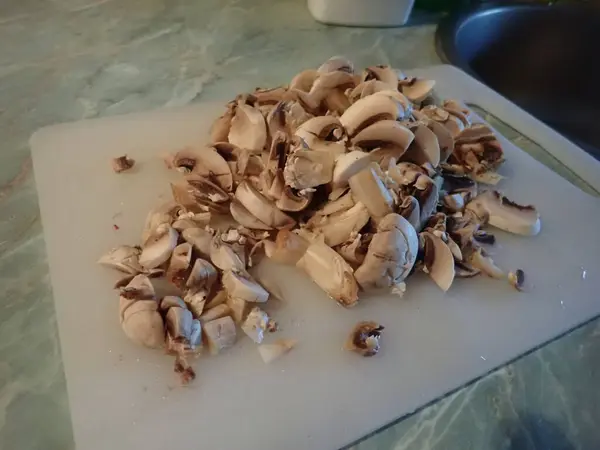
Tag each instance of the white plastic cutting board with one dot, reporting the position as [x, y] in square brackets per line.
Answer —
[318, 396]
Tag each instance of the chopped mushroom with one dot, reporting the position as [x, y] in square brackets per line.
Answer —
[122, 163]
[358, 178]
[364, 338]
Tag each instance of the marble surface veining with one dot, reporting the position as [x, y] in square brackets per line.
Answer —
[65, 60]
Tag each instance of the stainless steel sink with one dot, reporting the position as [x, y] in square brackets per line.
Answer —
[543, 58]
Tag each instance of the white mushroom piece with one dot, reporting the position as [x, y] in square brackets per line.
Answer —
[271, 352]
[364, 338]
[323, 133]
[261, 208]
[362, 113]
[438, 260]
[330, 272]
[387, 140]
[368, 187]
[124, 258]
[207, 163]
[256, 323]
[159, 246]
[416, 89]
[391, 255]
[140, 319]
[494, 208]
[220, 334]
[248, 128]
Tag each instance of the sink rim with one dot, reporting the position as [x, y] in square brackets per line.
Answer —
[450, 25]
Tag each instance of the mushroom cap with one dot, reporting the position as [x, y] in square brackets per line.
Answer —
[368, 110]
[391, 255]
[384, 133]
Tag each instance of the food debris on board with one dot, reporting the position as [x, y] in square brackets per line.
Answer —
[359, 179]
[122, 163]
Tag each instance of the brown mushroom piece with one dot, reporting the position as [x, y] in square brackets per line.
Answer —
[391, 255]
[364, 338]
[248, 128]
[479, 152]
[206, 162]
[438, 260]
[122, 163]
[330, 272]
[261, 207]
[505, 214]
[416, 89]
[478, 258]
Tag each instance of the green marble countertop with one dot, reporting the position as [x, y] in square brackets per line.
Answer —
[66, 60]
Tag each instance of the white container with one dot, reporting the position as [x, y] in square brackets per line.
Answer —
[362, 13]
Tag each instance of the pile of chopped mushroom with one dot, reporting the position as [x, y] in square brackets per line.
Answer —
[357, 178]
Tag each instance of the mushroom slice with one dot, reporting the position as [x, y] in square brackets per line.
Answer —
[239, 309]
[307, 169]
[416, 89]
[271, 352]
[241, 285]
[219, 131]
[202, 193]
[369, 110]
[270, 96]
[336, 63]
[165, 213]
[326, 128]
[179, 324]
[218, 298]
[292, 201]
[171, 301]
[355, 249]
[368, 187]
[242, 216]
[343, 203]
[479, 259]
[464, 270]
[214, 313]
[385, 133]
[288, 247]
[444, 137]
[225, 257]
[409, 209]
[425, 147]
[330, 272]
[200, 238]
[157, 250]
[506, 214]
[195, 302]
[261, 207]
[179, 264]
[348, 165]
[454, 203]
[143, 324]
[220, 334]
[248, 128]
[364, 338]
[391, 255]
[385, 74]
[460, 111]
[427, 192]
[255, 325]
[124, 258]
[202, 276]
[191, 220]
[439, 261]
[304, 80]
[339, 227]
[206, 162]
